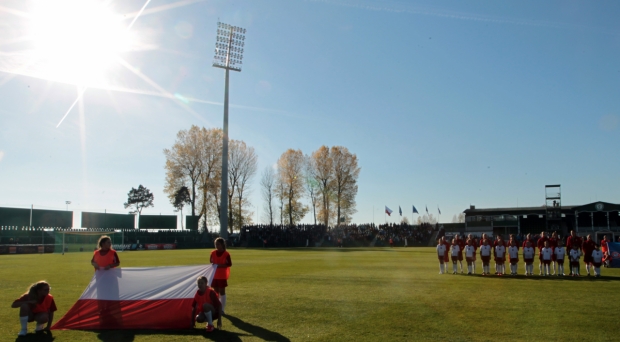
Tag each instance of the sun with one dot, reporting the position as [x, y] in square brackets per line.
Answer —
[77, 41]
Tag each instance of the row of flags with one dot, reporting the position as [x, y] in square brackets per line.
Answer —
[400, 211]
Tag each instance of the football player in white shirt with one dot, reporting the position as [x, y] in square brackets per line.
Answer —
[500, 258]
[546, 253]
[441, 251]
[597, 260]
[470, 253]
[528, 257]
[575, 253]
[455, 249]
[485, 255]
[513, 253]
[560, 252]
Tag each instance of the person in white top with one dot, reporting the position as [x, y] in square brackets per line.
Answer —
[441, 252]
[547, 254]
[560, 252]
[500, 258]
[470, 253]
[528, 257]
[575, 253]
[597, 260]
[454, 252]
[485, 255]
[513, 253]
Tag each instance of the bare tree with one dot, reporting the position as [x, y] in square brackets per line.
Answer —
[267, 183]
[346, 171]
[311, 184]
[243, 162]
[290, 176]
[322, 162]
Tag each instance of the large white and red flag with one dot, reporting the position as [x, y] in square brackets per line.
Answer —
[137, 298]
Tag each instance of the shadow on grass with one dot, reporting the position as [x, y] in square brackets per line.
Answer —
[543, 278]
[257, 331]
[330, 249]
[129, 335]
[45, 336]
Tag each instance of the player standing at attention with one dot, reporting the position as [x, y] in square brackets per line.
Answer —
[500, 256]
[36, 305]
[499, 241]
[597, 260]
[588, 247]
[470, 254]
[513, 253]
[476, 246]
[441, 252]
[573, 240]
[529, 239]
[221, 258]
[546, 253]
[485, 255]
[105, 257]
[574, 260]
[553, 243]
[541, 244]
[461, 244]
[206, 306]
[528, 257]
[454, 251]
[559, 253]
[446, 257]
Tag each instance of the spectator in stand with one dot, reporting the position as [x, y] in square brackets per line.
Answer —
[541, 244]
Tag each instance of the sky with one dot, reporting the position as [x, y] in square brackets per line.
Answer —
[446, 104]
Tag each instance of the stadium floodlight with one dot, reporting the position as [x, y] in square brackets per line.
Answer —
[67, 203]
[229, 45]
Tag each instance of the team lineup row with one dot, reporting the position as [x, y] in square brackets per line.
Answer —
[551, 253]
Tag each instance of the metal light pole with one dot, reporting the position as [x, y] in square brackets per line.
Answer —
[67, 203]
[228, 56]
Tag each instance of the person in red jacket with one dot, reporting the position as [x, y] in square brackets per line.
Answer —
[528, 238]
[206, 306]
[541, 244]
[446, 258]
[588, 247]
[36, 305]
[221, 258]
[105, 257]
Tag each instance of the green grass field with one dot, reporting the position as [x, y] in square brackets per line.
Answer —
[344, 295]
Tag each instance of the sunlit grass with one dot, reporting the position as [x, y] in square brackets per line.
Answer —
[345, 294]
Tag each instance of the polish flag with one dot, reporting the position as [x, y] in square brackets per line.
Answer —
[137, 298]
[388, 211]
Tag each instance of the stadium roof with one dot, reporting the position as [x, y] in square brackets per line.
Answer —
[567, 209]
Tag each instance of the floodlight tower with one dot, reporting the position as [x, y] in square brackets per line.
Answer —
[228, 56]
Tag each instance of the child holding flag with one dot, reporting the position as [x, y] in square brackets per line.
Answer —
[36, 305]
[206, 306]
[221, 258]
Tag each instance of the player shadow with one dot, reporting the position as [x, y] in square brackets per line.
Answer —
[130, 335]
[39, 336]
[547, 278]
[254, 330]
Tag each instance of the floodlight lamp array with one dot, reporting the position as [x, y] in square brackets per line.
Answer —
[229, 45]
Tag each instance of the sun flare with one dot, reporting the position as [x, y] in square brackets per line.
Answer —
[77, 41]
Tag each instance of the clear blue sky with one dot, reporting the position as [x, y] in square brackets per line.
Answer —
[446, 103]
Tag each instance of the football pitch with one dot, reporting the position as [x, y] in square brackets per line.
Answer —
[370, 294]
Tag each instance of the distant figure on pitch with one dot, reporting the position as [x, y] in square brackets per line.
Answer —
[470, 256]
[36, 305]
[221, 258]
[541, 244]
[513, 253]
[105, 257]
[597, 260]
[461, 244]
[588, 247]
[441, 252]
[546, 253]
[206, 306]
[485, 255]
[454, 251]
[559, 253]
[528, 258]
[574, 260]
[500, 256]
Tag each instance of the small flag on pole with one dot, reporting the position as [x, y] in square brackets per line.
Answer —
[388, 211]
[439, 210]
[400, 211]
[415, 211]
[427, 209]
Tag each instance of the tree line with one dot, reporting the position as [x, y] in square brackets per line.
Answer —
[327, 179]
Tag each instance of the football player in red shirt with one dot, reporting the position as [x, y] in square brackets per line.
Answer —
[541, 244]
[553, 243]
[588, 247]
[475, 244]
[446, 257]
[221, 258]
[529, 239]
[573, 240]
[206, 306]
[461, 244]
[499, 241]
[36, 305]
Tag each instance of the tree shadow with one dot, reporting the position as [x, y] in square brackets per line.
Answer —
[129, 335]
[44, 336]
[545, 278]
[257, 331]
